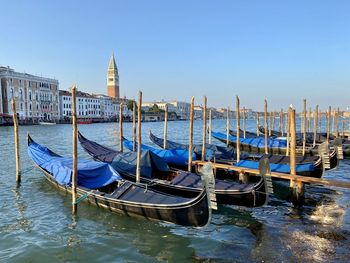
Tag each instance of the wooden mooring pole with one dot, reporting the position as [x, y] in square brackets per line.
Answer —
[257, 124]
[337, 123]
[281, 122]
[165, 126]
[288, 134]
[17, 153]
[227, 125]
[304, 127]
[134, 124]
[138, 161]
[238, 120]
[297, 186]
[270, 124]
[315, 125]
[190, 143]
[266, 129]
[121, 148]
[333, 121]
[309, 120]
[328, 122]
[75, 151]
[204, 133]
[210, 125]
[244, 123]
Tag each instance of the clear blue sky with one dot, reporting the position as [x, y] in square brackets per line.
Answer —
[281, 50]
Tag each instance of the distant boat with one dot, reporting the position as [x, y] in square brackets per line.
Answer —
[84, 121]
[46, 123]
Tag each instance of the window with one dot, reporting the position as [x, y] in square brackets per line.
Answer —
[11, 93]
[30, 95]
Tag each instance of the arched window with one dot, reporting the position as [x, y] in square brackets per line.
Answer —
[20, 94]
[30, 95]
[30, 106]
[11, 93]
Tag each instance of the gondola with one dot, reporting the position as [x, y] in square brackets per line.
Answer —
[320, 138]
[306, 165]
[248, 134]
[157, 175]
[213, 152]
[102, 186]
[279, 147]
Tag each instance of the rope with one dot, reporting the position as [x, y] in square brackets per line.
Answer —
[81, 198]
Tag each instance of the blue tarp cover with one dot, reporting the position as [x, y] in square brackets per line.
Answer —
[281, 168]
[258, 142]
[91, 174]
[172, 156]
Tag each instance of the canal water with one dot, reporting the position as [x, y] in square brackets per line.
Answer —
[36, 223]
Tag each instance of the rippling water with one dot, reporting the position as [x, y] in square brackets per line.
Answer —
[36, 223]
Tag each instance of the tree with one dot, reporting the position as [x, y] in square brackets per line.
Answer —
[130, 104]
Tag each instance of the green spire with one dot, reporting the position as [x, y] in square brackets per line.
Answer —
[112, 64]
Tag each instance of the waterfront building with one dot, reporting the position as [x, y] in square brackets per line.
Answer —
[182, 109]
[88, 106]
[113, 79]
[198, 112]
[92, 106]
[37, 98]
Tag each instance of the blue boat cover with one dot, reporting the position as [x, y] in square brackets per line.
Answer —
[281, 168]
[257, 142]
[91, 174]
[212, 150]
[173, 156]
[150, 163]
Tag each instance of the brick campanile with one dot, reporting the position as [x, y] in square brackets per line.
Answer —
[112, 79]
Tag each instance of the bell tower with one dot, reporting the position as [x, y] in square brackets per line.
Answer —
[112, 79]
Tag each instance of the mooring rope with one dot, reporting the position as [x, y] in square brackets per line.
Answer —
[82, 198]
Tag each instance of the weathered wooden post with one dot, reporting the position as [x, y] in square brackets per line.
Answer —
[281, 122]
[190, 143]
[315, 125]
[319, 120]
[121, 148]
[257, 124]
[17, 153]
[304, 127]
[165, 126]
[75, 151]
[238, 120]
[333, 122]
[244, 122]
[266, 129]
[337, 123]
[328, 122]
[297, 186]
[288, 133]
[270, 124]
[210, 125]
[204, 134]
[227, 125]
[134, 124]
[138, 161]
[309, 120]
